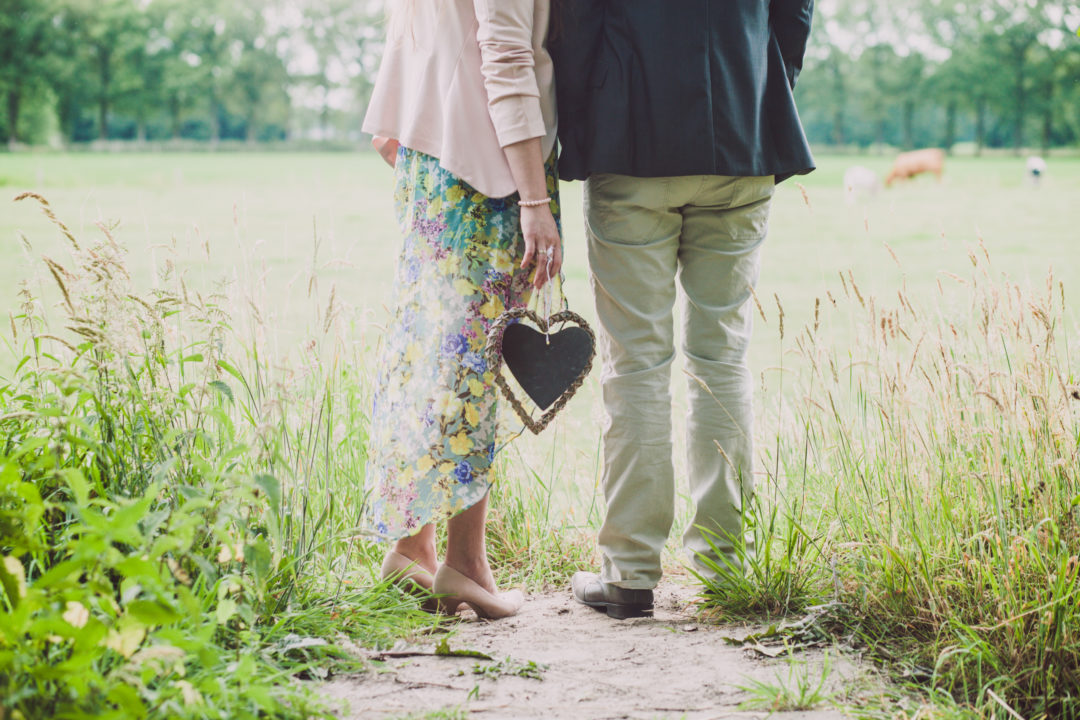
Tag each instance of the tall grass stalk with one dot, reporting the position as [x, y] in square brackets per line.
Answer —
[178, 511]
[934, 463]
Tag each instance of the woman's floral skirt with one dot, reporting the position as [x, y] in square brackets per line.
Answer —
[432, 437]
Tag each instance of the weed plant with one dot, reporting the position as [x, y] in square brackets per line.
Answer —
[925, 479]
[177, 517]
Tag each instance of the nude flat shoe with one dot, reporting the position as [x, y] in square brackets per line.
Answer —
[455, 588]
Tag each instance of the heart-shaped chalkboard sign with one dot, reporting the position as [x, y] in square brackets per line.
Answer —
[549, 366]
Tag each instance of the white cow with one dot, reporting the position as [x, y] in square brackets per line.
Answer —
[860, 181]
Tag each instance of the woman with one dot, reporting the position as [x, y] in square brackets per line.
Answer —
[464, 109]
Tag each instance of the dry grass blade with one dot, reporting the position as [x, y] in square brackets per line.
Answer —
[47, 209]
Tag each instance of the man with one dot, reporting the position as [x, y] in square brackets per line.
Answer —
[680, 118]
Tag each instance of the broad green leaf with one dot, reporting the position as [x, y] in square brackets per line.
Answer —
[225, 610]
[222, 388]
[152, 612]
[259, 559]
[79, 487]
[272, 487]
[13, 580]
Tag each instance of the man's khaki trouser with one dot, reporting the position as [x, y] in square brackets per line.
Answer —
[644, 234]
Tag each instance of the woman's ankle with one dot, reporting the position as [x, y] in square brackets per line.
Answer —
[476, 569]
[420, 553]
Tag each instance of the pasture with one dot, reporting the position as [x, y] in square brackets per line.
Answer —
[246, 218]
[917, 434]
[281, 232]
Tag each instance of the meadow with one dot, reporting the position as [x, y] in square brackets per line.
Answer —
[917, 431]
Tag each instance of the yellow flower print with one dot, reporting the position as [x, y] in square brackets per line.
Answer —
[476, 387]
[447, 467]
[424, 464]
[463, 287]
[460, 444]
[455, 194]
[503, 261]
[492, 309]
[434, 207]
[472, 415]
[412, 353]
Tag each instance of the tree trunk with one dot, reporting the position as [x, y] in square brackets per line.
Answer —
[14, 98]
[909, 124]
[950, 126]
[1047, 130]
[105, 72]
[1021, 103]
[249, 130]
[980, 125]
[215, 119]
[174, 115]
[840, 104]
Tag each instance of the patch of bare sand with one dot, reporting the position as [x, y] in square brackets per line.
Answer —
[668, 666]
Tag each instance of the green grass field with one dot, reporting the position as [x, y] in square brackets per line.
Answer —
[255, 218]
[918, 447]
[260, 227]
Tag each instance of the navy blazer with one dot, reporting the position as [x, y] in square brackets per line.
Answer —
[656, 88]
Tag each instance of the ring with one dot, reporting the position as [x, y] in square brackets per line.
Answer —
[549, 252]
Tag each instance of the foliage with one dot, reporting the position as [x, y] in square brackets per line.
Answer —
[153, 563]
[934, 465]
[932, 72]
[914, 73]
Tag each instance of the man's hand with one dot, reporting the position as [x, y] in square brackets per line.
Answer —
[387, 148]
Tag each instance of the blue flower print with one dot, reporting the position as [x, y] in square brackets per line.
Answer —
[464, 472]
[455, 345]
[491, 452]
[474, 361]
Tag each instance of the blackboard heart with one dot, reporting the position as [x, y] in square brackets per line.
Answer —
[549, 368]
[543, 369]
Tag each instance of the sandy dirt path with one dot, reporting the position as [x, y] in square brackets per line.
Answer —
[669, 666]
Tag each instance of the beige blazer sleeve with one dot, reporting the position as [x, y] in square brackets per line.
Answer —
[508, 65]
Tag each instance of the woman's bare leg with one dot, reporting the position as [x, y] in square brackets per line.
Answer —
[466, 550]
[420, 548]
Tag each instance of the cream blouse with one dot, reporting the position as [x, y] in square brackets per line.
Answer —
[461, 79]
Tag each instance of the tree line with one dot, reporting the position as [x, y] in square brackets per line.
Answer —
[903, 73]
[183, 69]
[916, 73]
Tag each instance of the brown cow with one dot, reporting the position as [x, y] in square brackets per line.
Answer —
[910, 164]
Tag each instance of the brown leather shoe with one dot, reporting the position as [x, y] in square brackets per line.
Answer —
[619, 603]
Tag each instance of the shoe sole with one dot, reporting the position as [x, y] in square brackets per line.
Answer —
[619, 611]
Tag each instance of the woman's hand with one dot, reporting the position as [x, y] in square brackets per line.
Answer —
[387, 148]
[542, 243]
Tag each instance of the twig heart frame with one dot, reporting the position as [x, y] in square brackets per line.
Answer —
[493, 353]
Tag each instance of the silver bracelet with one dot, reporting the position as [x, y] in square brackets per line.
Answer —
[534, 203]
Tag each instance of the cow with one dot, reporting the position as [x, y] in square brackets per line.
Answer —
[916, 162]
[1036, 168]
[859, 181]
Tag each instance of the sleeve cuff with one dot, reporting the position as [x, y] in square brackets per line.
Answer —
[517, 118]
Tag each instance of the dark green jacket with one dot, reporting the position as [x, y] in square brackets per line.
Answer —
[656, 88]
